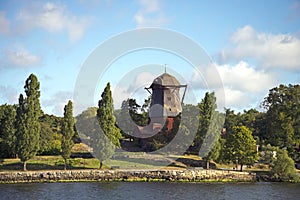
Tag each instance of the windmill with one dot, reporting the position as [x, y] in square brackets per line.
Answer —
[166, 104]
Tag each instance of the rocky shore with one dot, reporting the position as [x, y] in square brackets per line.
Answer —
[188, 175]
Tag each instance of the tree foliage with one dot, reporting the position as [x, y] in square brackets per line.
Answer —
[207, 108]
[27, 121]
[7, 131]
[50, 138]
[108, 137]
[241, 146]
[67, 129]
[283, 117]
[283, 168]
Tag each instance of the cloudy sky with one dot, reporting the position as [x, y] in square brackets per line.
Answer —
[254, 46]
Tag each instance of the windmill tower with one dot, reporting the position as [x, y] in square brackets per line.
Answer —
[166, 103]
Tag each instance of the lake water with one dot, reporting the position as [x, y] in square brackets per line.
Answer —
[150, 190]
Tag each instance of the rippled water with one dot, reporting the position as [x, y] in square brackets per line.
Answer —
[150, 191]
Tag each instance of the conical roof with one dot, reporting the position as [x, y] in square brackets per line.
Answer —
[166, 79]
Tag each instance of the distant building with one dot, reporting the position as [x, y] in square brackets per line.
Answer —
[166, 104]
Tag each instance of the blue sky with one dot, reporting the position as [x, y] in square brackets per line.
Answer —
[254, 45]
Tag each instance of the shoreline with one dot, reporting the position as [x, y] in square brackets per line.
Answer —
[127, 175]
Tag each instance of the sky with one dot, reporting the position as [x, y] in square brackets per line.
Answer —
[253, 46]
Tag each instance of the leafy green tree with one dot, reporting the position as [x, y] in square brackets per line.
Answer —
[259, 127]
[51, 137]
[27, 121]
[90, 132]
[268, 154]
[111, 133]
[85, 123]
[7, 131]
[231, 120]
[223, 154]
[283, 168]
[283, 117]
[248, 119]
[127, 116]
[67, 129]
[214, 154]
[241, 146]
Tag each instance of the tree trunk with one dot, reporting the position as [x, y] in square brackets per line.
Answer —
[100, 167]
[24, 166]
[65, 166]
[207, 164]
[241, 167]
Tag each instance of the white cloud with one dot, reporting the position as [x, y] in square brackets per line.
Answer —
[20, 57]
[242, 85]
[143, 79]
[8, 93]
[4, 24]
[269, 50]
[150, 14]
[244, 77]
[54, 18]
[120, 94]
[132, 87]
[58, 101]
[235, 99]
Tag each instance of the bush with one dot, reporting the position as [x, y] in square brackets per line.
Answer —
[283, 168]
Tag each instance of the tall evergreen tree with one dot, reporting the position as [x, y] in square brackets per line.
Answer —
[27, 121]
[7, 131]
[206, 110]
[67, 129]
[107, 122]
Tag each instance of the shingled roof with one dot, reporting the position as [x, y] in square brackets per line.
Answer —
[165, 92]
[166, 80]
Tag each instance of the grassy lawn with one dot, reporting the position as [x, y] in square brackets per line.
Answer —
[135, 161]
[49, 163]
[122, 160]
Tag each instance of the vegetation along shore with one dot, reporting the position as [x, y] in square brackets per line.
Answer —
[252, 145]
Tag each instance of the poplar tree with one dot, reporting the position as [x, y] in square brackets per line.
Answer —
[27, 121]
[207, 108]
[67, 129]
[109, 135]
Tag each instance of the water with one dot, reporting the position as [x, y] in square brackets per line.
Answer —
[150, 191]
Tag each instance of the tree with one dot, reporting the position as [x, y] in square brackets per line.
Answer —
[268, 154]
[51, 137]
[248, 119]
[283, 167]
[67, 129]
[7, 131]
[110, 139]
[241, 146]
[231, 120]
[207, 107]
[283, 117]
[127, 116]
[214, 154]
[27, 121]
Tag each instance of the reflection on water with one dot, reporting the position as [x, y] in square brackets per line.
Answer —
[149, 191]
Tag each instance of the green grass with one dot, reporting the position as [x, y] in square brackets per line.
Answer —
[123, 160]
[49, 163]
[137, 161]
